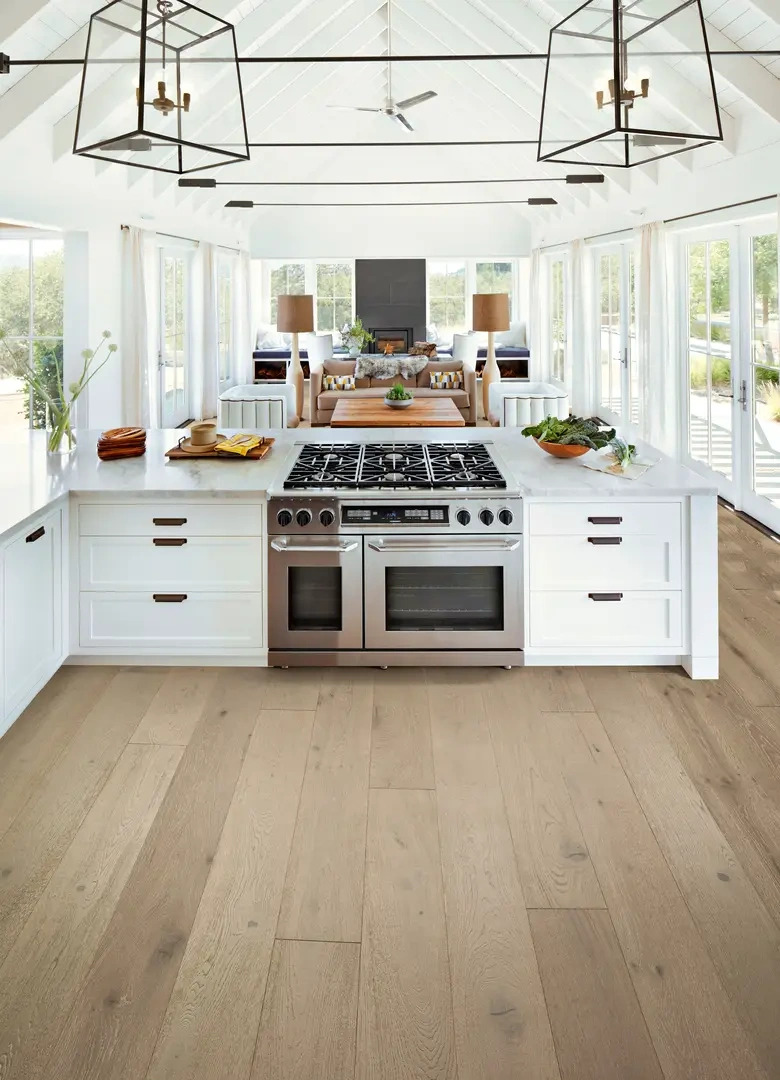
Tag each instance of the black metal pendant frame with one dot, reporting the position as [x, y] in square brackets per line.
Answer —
[178, 144]
[621, 134]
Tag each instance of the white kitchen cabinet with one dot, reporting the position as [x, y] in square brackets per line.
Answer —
[161, 579]
[32, 624]
[605, 562]
[615, 620]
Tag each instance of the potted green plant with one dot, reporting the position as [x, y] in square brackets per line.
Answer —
[398, 397]
[59, 407]
[355, 337]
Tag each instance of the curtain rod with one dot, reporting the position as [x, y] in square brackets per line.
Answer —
[670, 221]
[186, 239]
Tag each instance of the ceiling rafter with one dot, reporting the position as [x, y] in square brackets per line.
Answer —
[14, 16]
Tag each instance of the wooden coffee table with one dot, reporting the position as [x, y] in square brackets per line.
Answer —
[372, 412]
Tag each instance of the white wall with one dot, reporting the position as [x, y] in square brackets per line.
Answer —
[389, 232]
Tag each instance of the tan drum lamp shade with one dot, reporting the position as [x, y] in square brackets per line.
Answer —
[295, 315]
[491, 314]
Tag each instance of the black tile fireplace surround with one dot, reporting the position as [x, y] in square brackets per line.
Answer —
[391, 295]
[401, 338]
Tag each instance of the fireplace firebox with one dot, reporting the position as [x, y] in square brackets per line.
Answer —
[395, 339]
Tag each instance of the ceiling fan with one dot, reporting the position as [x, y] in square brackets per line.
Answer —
[394, 109]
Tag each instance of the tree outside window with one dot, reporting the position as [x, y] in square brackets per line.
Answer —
[287, 279]
[334, 295]
[496, 277]
[447, 298]
[31, 314]
[557, 321]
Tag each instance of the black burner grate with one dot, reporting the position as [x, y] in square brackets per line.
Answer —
[395, 466]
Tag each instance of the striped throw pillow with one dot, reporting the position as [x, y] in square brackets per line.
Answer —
[446, 380]
[338, 382]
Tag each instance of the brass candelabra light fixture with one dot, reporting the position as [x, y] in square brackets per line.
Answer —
[163, 103]
[627, 96]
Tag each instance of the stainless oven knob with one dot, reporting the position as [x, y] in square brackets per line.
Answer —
[487, 517]
[464, 517]
[303, 517]
[284, 518]
[327, 517]
[506, 517]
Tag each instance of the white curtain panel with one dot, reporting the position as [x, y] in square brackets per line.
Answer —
[206, 362]
[137, 348]
[658, 373]
[538, 319]
[582, 302]
[242, 320]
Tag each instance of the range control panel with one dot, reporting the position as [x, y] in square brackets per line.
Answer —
[395, 515]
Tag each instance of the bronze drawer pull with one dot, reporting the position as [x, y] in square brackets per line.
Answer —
[166, 522]
[35, 535]
[605, 597]
[601, 541]
[173, 541]
[605, 520]
[169, 598]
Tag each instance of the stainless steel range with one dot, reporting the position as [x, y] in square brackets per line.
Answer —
[404, 553]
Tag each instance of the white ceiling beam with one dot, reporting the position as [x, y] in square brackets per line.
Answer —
[40, 84]
[745, 74]
[15, 14]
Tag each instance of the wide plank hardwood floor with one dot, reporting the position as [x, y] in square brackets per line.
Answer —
[460, 874]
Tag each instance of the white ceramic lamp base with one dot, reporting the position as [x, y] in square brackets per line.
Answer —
[295, 376]
[490, 374]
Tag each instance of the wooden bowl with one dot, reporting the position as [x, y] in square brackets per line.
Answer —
[562, 450]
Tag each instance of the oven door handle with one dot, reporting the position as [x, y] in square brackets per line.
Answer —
[471, 543]
[331, 549]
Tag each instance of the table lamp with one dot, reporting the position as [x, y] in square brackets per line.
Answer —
[295, 316]
[491, 313]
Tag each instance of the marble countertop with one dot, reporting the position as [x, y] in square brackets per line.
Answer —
[31, 480]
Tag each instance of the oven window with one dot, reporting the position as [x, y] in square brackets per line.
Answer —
[466, 598]
[314, 594]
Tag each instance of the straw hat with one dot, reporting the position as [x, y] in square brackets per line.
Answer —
[202, 439]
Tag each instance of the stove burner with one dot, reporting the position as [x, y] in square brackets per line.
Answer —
[409, 466]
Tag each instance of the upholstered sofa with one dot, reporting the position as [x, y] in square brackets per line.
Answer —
[323, 402]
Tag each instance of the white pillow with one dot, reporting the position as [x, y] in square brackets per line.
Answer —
[514, 336]
[268, 338]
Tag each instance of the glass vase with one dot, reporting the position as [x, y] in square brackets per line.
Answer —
[60, 436]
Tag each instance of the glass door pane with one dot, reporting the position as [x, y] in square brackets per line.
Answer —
[558, 320]
[710, 392]
[173, 363]
[611, 346]
[315, 598]
[764, 381]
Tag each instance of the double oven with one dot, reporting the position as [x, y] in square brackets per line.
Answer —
[382, 580]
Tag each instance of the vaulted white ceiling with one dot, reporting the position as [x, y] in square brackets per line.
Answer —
[476, 99]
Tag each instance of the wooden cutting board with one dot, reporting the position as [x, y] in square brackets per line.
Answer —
[258, 452]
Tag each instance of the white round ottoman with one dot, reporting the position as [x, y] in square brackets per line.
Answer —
[258, 405]
[520, 404]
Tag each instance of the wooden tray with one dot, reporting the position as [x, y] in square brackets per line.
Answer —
[258, 452]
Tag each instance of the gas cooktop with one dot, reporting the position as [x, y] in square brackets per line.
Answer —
[395, 466]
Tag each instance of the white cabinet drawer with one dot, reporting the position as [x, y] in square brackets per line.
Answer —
[201, 621]
[589, 562]
[170, 519]
[647, 619]
[589, 519]
[189, 564]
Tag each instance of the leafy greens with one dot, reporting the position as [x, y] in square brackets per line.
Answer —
[574, 430]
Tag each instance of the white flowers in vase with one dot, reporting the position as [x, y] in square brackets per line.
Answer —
[59, 407]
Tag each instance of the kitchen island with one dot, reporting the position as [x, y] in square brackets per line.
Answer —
[150, 561]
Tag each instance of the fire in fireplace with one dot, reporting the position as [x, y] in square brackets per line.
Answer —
[391, 339]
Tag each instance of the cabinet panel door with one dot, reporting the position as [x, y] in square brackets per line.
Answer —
[605, 562]
[170, 564]
[32, 612]
[197, 621]
[613, 620]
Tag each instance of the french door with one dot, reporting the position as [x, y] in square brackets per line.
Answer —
[616, 346]
[173, 366]
[732, 370]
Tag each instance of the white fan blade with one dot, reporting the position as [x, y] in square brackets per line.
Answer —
[402, 120]
[418, 100]
[355, 108]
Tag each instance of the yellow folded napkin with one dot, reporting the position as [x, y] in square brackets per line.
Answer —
[240, 444]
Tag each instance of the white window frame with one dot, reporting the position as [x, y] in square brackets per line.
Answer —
[625, 250]
[310, 280]
[551, 261]
[518, 302]
[28, 236]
